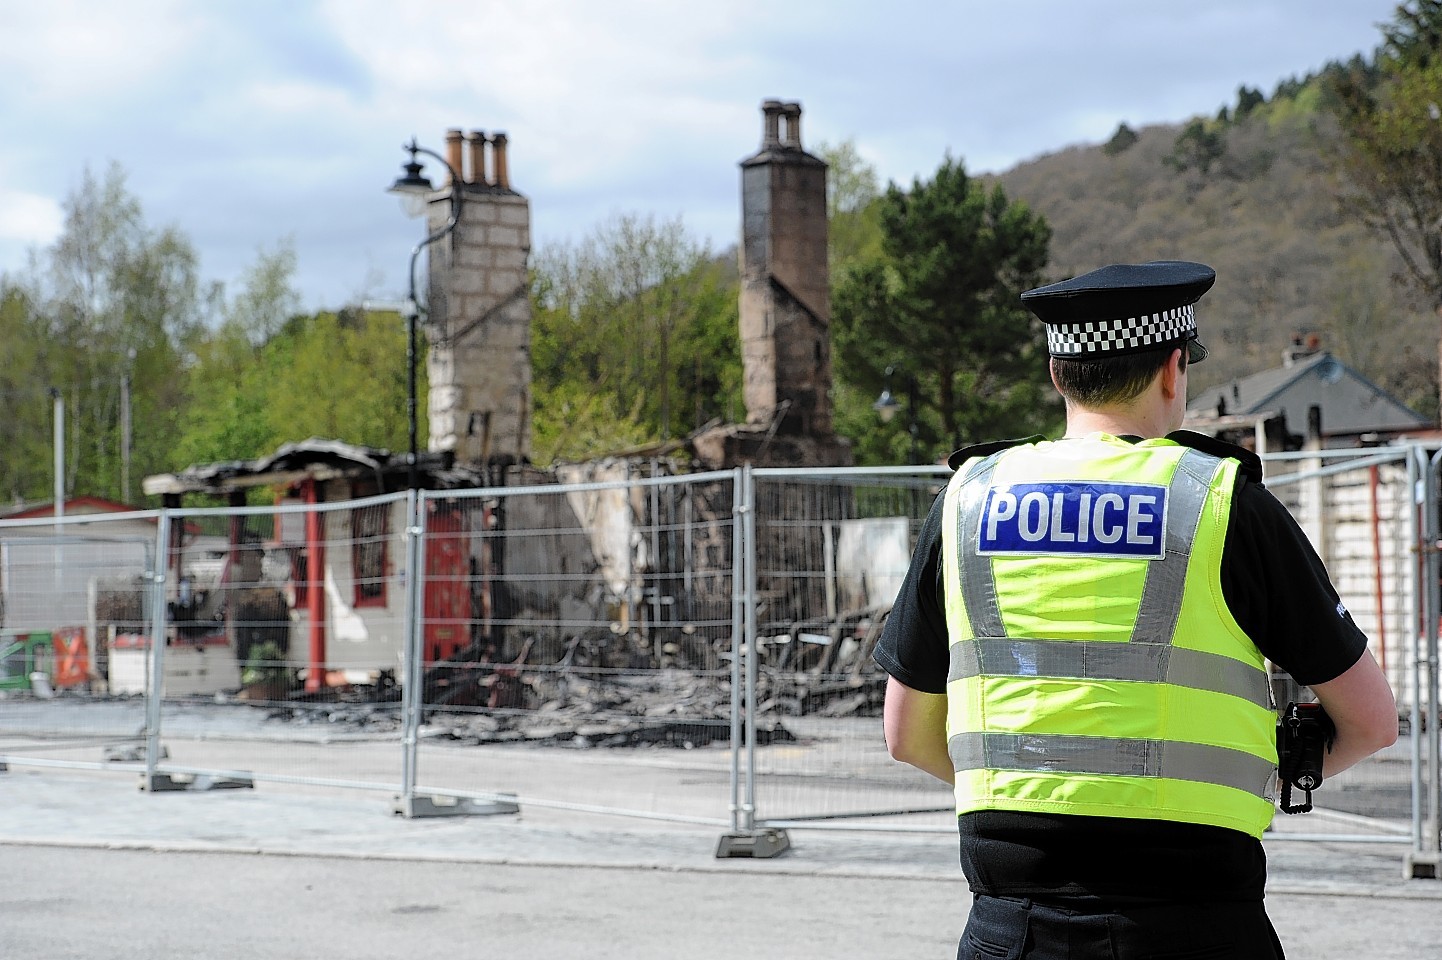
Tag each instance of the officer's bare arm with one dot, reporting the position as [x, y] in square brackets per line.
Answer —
[915, 724]
[1360, 703]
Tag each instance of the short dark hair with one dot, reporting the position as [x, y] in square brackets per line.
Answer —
[1103, 382]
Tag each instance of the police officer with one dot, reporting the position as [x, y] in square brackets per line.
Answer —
[1079, 648]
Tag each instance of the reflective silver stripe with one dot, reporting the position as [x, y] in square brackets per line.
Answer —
[1102, 660]
[978, 586]
[1162, 594]
[1173, 760]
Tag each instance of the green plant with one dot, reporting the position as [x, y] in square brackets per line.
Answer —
[264, 664]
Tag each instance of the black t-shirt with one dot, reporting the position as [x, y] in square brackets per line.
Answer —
[1276, 588]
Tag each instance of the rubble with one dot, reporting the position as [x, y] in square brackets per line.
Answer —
[583, 701]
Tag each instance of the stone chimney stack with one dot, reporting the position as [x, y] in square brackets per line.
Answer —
[479, 324]
[785, 291]
[785, 309]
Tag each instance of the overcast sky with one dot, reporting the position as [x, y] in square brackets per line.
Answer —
[248, 122]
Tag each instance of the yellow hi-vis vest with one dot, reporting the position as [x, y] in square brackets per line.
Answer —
[1094, 667]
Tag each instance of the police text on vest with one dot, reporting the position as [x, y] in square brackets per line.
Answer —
[1075, 519]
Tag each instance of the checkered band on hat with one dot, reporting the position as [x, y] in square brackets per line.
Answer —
[1096, 337]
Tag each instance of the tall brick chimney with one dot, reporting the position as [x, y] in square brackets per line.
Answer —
[785, 285]
[479, 327]
[785, 308]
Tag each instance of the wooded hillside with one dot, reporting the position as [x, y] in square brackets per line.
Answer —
[1257, 199]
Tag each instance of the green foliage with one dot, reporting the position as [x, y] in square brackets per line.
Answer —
[1198, 147]
[1248, 99]
[342, 375]
[102, 320]
[229, 378]
[266, 664]
[1414, 39]
[941, 308]
[333, 375]
[1121, 141]
[853, 210]
[1391, 154]
[633, 340]
[25, 430]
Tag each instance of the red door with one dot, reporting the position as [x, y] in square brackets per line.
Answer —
[446, 625]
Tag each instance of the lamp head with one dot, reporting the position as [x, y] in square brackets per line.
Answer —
[413, 189]
[886, 406]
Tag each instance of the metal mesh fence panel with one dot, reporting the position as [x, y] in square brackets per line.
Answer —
[831, 549]
[1357, 507]
[305, 606]
[563, 623]
[73, 646]
[820, 602]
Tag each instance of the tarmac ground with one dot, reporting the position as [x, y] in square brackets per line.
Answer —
[94, 867]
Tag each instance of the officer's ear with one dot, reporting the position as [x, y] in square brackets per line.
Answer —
[1171, 373]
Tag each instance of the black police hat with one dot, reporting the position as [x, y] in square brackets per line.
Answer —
[1124, 308]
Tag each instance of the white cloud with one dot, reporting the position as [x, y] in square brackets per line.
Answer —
[29, 218]
[583, 89]
[69, 49]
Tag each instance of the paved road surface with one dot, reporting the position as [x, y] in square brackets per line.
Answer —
[90, 867]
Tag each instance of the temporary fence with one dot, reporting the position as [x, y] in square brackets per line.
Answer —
[604, 621]
[1372, 513]
[690, 648]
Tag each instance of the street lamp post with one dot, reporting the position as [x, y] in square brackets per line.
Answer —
[415, 193]
[887, 406]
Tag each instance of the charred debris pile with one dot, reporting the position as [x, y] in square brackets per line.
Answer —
[586, 701]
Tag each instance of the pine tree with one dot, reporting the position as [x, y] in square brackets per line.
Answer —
[940, 309]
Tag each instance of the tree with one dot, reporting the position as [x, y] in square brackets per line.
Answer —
[112, 301]
[1248, 99]
[1121, 141]
[230, 378]
[1391, 149]
[1391, 156]
[941, 306]
[1197, 147]
[633, 339]
[853, 214]
[1416, 36]
[1361, 324]
[25, 470]
[339, 375]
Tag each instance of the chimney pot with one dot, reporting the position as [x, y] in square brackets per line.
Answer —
[453, 154]
[498, 156]
[479, 175]
[771, 131]
[792, 112]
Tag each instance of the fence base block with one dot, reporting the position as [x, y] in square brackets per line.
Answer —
[168, 782]
[1422, 866]
[758, 844]
[414, 807]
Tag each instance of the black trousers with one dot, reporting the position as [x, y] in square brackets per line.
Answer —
[1001, 928]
